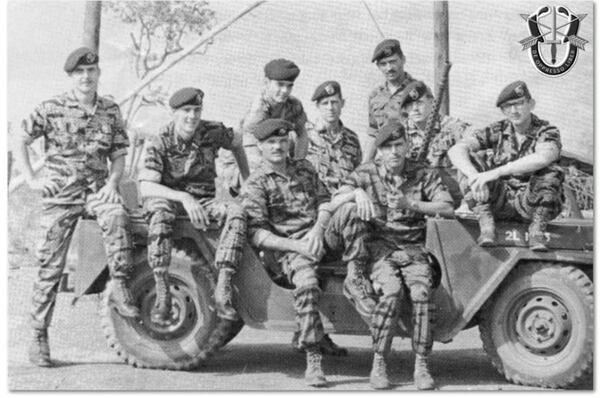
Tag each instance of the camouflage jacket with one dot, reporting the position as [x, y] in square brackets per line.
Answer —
[77, 144]
[416, 183]
[384, 105]
[285, 204]
[334, 157]
[186, 165]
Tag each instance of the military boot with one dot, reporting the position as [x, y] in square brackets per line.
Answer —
[358, 289]
[537, 228]
[422, 377]
[161, 312]
[379, 378]
[39, 350]
[487, 226]
[121, 299]
[314, 375]
[224, 295]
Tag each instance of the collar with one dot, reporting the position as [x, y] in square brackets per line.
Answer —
[338, 132]
[268, 169]
[531, 130]
[405, 80]
[72, 100]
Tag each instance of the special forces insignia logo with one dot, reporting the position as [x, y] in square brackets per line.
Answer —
[553, 28]
[414, 94]
[90, 57]
[329, 89]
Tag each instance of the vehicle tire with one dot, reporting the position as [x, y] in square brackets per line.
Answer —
[185, 343]
[538, 328]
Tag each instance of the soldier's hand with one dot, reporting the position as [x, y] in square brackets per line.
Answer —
[364, 206]
[219, 212]
[478, 183]
[303, 248]
[196, 212]
[398, 201]
[109, 194]
[48, 187]
[314, 238]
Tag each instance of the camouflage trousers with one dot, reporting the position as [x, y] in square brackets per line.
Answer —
[401, 275]
[161, 214]
[58, 222]
[514, 199]
[345, 235]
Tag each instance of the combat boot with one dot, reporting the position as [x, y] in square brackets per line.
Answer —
[537, 228]
[422, 377]
[487, 226]
[39, 350]
[224, 295]
[358, 289]
[161, 312]
[314, 375]
[379, 378]
[121, 299]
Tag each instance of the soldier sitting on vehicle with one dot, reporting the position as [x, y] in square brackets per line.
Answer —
[178, 177]
[82, 131]
[517, 177]
[274, 102]
[334, 151]
[395, 195]
[289, 212]
[418, 105]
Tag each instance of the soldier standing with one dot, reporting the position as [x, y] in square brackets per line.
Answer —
[178, 177]
[418, 105]
[274, 102]
[384, 100]
[516, 177]
[289, 212]
[396, 195]
[82, 130]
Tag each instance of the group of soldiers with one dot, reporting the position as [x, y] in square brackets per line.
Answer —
[306, 192]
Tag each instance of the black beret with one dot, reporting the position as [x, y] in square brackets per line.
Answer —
[186, 96]
[391, 131]
[513, 91]
[327, 89]
[414, 91]
[81, 56]
[386, 48]
[282, 69]
[272, 127]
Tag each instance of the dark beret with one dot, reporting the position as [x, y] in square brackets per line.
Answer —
[81, 56]
[391, 131]
[327, 89]
[414, 91]
[513, 91]
[272, 127]
[186, 96]
[282, 69]
[386, 48]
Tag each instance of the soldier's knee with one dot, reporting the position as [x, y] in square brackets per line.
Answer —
[236, 212]
[392, 287]
[419, 292]
[305, 278]
[160, 222]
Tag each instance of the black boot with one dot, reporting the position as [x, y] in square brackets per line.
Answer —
[537, 228]
[161, 312]
[121, 299]
[39, 350]
[358, 289]
[487, 226]
[224, 295]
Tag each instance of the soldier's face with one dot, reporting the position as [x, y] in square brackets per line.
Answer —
[392, 67]
[85, 78]
[418, 111]
[278, 90]
[330, 108]
[518, 111]
[186, 119]
[275, 149]
[394, 152]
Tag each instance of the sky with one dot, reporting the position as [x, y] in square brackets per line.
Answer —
[328, 40]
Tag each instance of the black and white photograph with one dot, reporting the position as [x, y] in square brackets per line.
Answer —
[300, 195]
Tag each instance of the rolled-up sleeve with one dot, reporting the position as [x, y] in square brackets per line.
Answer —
[549, 136]
[434, 189]
[152, 162]
[35, 125]
[254, 202]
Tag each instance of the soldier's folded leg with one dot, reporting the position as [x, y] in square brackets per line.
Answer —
[160, 214]
[113, 220]
[228, 259]
[346, 232]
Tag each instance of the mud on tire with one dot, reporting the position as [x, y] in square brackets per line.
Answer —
[538, 328]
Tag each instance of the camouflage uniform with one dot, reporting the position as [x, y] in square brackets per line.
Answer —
[77, 145]
[396, 241]
[516, 197]
[260, 110]
[190, 167]
[334, 158]
[287, 205]
[448, 131]
[385, 105]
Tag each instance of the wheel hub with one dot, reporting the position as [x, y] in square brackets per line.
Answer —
[543, 325]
